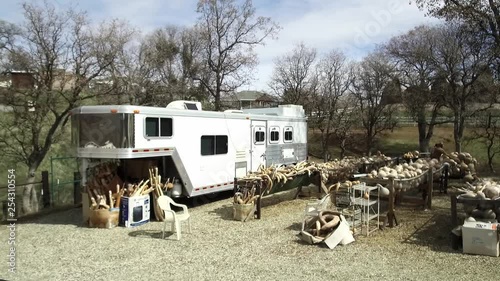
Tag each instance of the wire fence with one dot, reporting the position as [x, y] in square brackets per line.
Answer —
[406, 121]
[48, 195]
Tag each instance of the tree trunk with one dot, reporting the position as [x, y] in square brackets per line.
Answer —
[490, 164]
[456, 135]
[324, 146]
[326, 138]
[217, 102]
[491, 155]
[428, 137]
[423, 142]
[369, 146]
[369, 141]
[424, 145]
[342, 148]
[218, 88]
[30, 197]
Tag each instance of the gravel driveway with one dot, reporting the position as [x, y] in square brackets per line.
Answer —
[57, 247]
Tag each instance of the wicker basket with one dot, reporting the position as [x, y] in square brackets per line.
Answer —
[241, 211]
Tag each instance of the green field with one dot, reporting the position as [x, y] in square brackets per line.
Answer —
[405, 139]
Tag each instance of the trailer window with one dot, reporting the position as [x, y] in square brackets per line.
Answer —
[260, 136]
[165, 127]
[288, 134]
[152, 128]
[213, 145]
[98, 130]
[158, 127]
[275, 135]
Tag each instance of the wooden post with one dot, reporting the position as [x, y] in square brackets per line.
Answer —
[391, 217]
[259, 191]
[77, 192]
[321, 186]
[45, 189]
[235, 186]
[430, 185]
[5, 205]
[446, 175]
[454, 219]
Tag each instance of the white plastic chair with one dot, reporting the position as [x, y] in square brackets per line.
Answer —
[314, 208]
[174, 218]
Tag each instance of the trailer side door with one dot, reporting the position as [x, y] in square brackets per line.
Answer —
[258, 146]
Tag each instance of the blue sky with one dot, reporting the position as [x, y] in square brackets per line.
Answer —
[355, 26]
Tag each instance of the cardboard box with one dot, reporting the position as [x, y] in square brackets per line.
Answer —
[135, 210]
[341, 235]
[308, 238]
[480, 238]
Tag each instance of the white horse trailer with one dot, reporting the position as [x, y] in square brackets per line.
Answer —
[204, 150]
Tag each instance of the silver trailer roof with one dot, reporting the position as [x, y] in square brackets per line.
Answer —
[295, 112]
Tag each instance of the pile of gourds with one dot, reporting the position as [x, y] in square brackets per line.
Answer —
[342, 185]
[281, 174]
[323, 224]
[487, 193]
[332, 171]
[461, 165]
[411, 154]
[407, 175]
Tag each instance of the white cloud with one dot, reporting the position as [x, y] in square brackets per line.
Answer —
[355, 26]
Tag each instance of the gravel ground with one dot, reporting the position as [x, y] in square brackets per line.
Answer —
[57, 247]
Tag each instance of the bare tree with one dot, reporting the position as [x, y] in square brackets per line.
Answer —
[334, 77]
[487, 131]
[483, 14]
[229, 34]
[63, 53]
[160, 68]
[294, 77]
[8, 32]
[373, 82]
[345, 121]
[413, 54]
[463, 59]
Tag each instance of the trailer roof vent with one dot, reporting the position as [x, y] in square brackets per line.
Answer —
[186, 105]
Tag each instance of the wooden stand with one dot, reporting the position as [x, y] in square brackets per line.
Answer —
[393, 195]
[316, 180]
[455, 200]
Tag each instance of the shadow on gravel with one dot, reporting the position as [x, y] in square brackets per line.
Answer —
[57, 216]
[149, 234]
[201, 200]
[297, 226]
[302, 242]
[224, 212]
[434, 234]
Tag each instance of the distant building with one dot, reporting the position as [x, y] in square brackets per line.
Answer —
[249, 99]
[17, 80]
[14, 82]
[24, 80]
